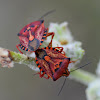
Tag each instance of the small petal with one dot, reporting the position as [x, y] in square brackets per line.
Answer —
[74, 50]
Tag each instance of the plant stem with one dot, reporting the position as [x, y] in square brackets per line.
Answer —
[82, 76]
[21, 58]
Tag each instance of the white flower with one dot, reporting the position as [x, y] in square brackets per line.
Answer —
[62, 32]
[93, 90]
[74, 50]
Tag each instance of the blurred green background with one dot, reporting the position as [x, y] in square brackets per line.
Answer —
[18, 83]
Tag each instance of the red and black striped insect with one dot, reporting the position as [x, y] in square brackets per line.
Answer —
[53, 62]
[32, 36]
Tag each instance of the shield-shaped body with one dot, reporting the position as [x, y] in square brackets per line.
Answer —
[53, 62]
[32, 36]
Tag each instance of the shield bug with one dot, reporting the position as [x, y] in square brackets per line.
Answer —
[53, 62]
[32, 36]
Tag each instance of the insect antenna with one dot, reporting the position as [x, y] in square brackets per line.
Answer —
[72, 71]
[49, 12]
[62, 86]
[81, 67]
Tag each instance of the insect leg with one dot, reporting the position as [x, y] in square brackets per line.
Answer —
[17, 46]
[48, 34]
[46, 77]
[41, 75]
[72, 61]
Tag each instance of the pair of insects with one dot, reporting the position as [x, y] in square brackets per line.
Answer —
[51, 61]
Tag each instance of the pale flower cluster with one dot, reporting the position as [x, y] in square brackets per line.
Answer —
[63, 38]
[93, 90]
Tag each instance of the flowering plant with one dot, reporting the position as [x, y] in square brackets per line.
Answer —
[72, 49]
